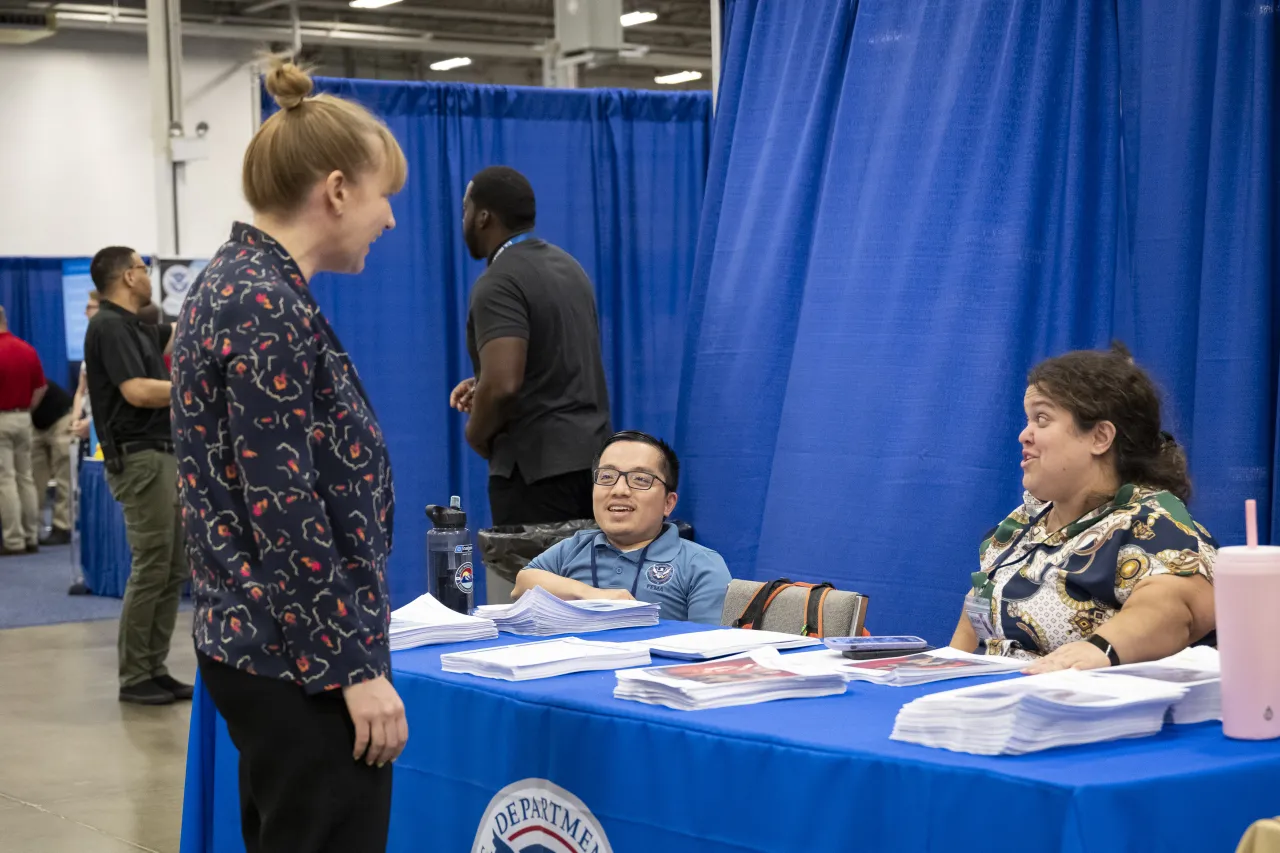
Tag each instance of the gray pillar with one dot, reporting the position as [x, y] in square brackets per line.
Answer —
[716, 35]
[164, 69]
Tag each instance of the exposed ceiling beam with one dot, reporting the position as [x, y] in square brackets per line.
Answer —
[514, 19]
[443, 14]
[105, 18]
[263, 6]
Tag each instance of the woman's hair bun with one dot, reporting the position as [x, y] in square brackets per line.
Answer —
[287, 83]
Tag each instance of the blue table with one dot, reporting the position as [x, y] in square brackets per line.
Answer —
[105, 558]
[782, 777]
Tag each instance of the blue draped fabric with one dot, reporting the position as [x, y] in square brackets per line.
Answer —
[105, 557]
[908, 205]
[31, 293]
[1198, 298]
[619, 179]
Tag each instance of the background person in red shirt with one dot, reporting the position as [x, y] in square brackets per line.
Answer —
[22, 386]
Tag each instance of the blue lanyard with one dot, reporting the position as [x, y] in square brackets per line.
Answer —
[635, 584]
[519, 238]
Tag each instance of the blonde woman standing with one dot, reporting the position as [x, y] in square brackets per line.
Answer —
[286, 484]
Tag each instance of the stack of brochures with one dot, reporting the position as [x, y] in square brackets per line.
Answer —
[705, 645]
[758, 676]
[1196, 669]
[538, 613]
[425, 621]
[1038, 712]
[523, 661]
[904, 671]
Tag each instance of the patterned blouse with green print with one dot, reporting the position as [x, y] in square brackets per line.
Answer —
[1050, 589]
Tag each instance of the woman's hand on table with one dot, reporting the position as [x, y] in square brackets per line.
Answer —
[1079, 655]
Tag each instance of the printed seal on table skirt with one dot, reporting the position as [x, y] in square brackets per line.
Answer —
[538, 816]
[660, 573]
[463, 578]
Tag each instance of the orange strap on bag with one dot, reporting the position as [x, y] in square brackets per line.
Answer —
[753, 614]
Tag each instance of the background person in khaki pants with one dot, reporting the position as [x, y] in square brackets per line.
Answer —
[129, 390]
[51, 458]
[22, 386]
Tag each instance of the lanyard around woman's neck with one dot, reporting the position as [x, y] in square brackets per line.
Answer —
[635, 584]
[1070, 531]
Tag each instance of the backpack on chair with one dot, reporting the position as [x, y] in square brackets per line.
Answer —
[810, 610]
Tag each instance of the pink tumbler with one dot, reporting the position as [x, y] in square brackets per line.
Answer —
[1246, 589]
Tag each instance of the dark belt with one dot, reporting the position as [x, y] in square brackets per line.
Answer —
[128, 447]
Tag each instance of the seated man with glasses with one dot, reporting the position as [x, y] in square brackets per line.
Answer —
[636, 553]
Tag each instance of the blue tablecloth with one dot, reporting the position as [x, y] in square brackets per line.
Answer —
[781, 777]
[105, 558]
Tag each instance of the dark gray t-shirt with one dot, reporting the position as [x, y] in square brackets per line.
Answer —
[560, 418]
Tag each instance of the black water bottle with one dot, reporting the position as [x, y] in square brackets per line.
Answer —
[450, 575]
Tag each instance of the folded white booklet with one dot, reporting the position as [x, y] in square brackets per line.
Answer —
[704, 645]
[1037, 712]
[758, 676]
[425, 621]
[539, 613]
[1197, 669]
[522, 661]
[920, 668]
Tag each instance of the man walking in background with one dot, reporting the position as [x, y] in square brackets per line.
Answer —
[22, 386]
[538, 403]
[129, 389]
[82, 409]
[51, 458]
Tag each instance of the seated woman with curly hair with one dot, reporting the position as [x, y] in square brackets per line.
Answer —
[1102, 564]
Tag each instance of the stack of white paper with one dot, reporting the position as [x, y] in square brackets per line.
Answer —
[759, 676]
[538, 613]
[425, 621]
[705, 645]
[1037, 712]
[1196, 669]
[919, 668]
[524, 661]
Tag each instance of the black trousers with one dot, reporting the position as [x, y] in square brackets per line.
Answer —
[565, 497]
[300, 789]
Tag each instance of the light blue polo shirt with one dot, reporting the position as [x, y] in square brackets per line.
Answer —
[687, 580]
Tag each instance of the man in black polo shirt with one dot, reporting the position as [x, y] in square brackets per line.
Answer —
[538, 403]
[129, 390]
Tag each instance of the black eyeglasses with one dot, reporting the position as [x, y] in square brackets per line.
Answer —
[639, 480]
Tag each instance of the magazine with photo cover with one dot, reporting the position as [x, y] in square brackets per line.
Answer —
[732, 671]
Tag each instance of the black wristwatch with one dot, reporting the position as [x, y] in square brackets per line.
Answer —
[1107, 649]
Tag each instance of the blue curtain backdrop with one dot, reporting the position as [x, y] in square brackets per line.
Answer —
[908, 205]
[619, 179]
[31, 293]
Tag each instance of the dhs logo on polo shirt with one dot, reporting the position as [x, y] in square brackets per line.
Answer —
[537, 816]
[660, 573]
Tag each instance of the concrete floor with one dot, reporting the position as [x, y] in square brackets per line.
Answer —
[78, 770]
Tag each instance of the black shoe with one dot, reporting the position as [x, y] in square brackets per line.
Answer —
[175, 687]
[146, 693]
[10, 552]
[33, 549]
[57, 537]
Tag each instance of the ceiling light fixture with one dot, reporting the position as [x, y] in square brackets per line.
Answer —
[371, 4]
[450, 64]
[632, 19]
[679, 77]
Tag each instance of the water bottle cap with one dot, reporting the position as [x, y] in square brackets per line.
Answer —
[455, 502]
[446, 517]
